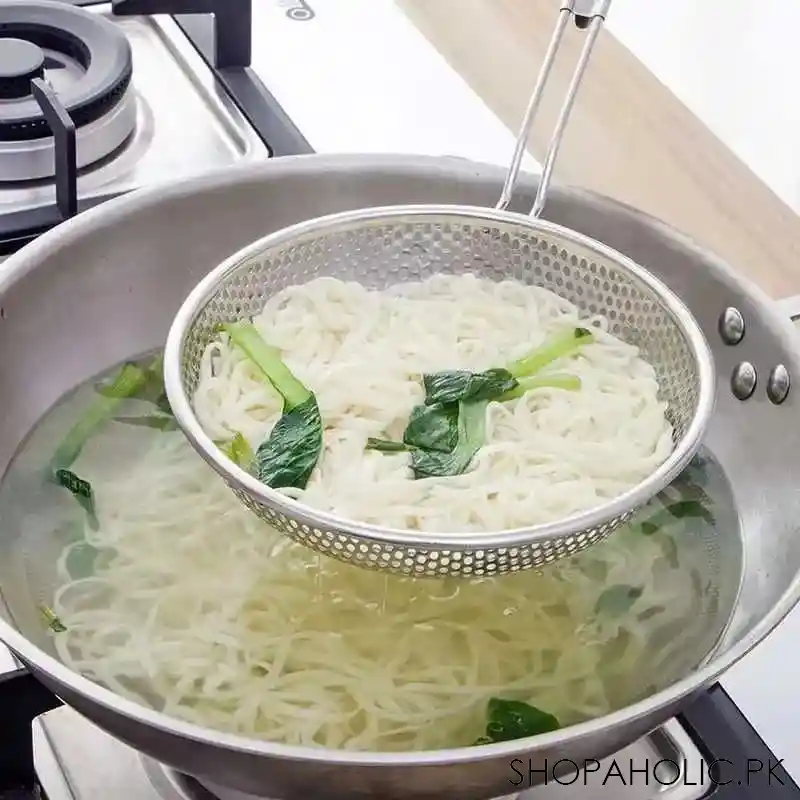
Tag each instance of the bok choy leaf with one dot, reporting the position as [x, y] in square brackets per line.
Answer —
[291, 451]
[447, 430]
[465, 423]
[131, 382]
[433, 427]
[502, 382]
[470, 437]
[507, 720]
[239, 451]
[52, 620]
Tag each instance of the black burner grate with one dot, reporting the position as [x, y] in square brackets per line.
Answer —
[214, 39]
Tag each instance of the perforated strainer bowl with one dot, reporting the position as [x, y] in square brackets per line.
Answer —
[385, 246]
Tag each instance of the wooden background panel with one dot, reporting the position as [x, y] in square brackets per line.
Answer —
[629, 137]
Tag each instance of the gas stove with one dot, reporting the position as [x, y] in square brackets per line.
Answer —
[98, 99]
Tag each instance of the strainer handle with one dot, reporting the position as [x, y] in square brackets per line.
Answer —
[588, 14]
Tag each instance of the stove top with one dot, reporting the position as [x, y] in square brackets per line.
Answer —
[172, 122]
[101, 98]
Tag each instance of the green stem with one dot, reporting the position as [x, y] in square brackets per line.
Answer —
[569, 383]
[559, 346]
[268, 359]
[127, 382]
[388, 446]
[52, 620]
[239, 451]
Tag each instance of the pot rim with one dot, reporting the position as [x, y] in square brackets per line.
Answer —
[26, 260]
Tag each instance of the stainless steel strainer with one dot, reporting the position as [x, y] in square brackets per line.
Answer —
[379, 247]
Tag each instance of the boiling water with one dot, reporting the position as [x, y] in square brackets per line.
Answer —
[578, 639]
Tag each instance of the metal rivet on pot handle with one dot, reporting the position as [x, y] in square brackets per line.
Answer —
[731, 326]
[778, 384]
[743, 380]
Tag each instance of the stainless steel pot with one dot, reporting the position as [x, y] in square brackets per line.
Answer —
[106, 285]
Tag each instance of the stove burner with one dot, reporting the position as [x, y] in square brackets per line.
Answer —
[98, 50]
[87, 62]
[20, 63]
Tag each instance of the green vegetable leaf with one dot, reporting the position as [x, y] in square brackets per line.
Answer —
[239, 451]
[691, 509]
[558, 346]
[461, 385]
[618, 599]
[135, 382]
[507, 720]
[388, 446]
[684, 499]
[162, 404]
[158, 423]
[433, 427]
[129, 380]
[685, 487]
[290, 453]
[471, 437]
[52, 620]
[505, 383]
[447, 431]
[683, 509]
[81, 490]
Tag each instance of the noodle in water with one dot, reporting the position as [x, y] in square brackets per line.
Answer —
[193, 605]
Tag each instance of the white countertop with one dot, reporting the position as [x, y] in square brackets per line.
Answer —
[729, 68]
[361, 78]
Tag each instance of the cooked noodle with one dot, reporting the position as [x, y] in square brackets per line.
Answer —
[193, 605]
[549, 454]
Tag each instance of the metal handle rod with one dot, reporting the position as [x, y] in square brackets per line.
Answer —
[594, 13]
